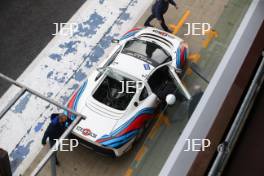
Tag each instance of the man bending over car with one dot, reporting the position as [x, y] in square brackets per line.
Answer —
[158, 10]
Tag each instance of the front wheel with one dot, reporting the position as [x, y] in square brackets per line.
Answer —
[140, 133]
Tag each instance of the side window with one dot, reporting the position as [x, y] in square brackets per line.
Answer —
[144, 94]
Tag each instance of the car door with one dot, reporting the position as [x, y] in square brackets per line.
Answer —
[146, 99]
[164, 81]
[179, 84]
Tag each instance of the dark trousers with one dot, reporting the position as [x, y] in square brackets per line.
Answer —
[163, 24]
[53, 160]
[52, 142]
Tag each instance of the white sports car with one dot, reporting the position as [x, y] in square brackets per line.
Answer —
[126, 90]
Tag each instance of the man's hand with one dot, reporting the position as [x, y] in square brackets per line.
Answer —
[176, 6]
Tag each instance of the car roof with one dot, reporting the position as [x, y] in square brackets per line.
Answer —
[132, 66]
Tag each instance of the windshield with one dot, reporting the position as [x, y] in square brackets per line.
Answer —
[115, 91]
[147, 51]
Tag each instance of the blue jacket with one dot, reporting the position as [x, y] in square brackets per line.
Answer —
[160, 7]
[54, 130]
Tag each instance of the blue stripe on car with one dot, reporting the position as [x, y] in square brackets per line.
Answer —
[121, 138]
[178, 58]
[126, 124]
[77, 98]
[130, 34]
[118, 144]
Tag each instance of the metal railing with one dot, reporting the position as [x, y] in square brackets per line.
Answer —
[227, 146]
[24, 89]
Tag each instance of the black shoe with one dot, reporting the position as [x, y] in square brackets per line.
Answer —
[168, 30]
[148, 25]
[57, 163]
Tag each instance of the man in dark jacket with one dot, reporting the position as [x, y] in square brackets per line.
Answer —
[55, 129]
[158, 10]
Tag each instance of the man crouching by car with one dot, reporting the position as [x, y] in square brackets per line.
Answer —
[56, 128]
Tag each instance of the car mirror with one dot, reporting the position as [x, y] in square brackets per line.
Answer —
[115, 41]
[170, 99]
[98, 76]
[99, 69]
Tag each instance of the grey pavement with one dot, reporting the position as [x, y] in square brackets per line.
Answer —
[26, 28]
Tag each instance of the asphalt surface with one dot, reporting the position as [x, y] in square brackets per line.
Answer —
[26, 28]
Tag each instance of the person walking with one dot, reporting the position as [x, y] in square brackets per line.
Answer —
[54, 131]
[158, 10]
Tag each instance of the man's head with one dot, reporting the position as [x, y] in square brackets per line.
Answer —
[62, 118]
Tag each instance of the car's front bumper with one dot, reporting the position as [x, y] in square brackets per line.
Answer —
[97, 147]
[94, 146]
